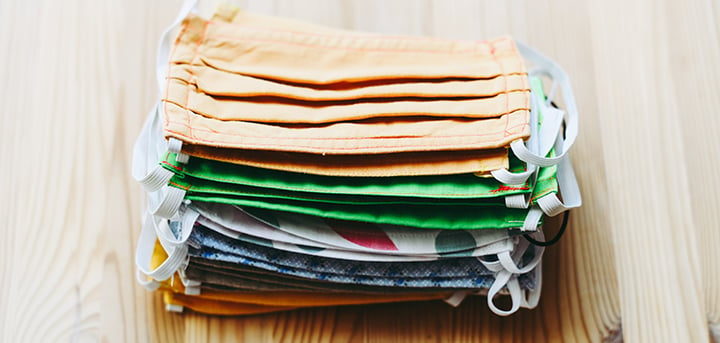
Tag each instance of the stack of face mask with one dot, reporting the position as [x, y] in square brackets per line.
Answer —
[291, 165]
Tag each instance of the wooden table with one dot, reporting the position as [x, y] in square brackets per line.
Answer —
[640, 260]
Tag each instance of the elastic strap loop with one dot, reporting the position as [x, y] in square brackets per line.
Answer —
[540, 142]
[508, 262]
[548, 67]
[503, 278]
[170, 239]
[509, 178]
[145, 282]
[568, 187]
[169, 204]
[532, 220]
[175, 146]
[144, 252]
[555, 239]
[518, 200]
[533, 296]
[145, 168]
[157, 178]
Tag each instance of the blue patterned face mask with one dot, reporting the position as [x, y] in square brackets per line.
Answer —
[243, 259]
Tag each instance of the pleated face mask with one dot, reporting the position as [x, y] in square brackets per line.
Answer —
[233, 278]
[358, 241]
[352, 236]
[316, 90]
[460, 272]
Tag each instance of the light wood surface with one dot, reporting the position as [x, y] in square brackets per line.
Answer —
[639, 262]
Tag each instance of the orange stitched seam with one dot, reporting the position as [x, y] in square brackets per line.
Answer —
[521, 126]
[180, 169]
[258, 145]
[186, 188]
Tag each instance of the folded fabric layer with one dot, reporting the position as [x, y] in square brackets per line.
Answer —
[463, 217]
[348, 235]
[480, 162]
[212, 275]
[274, 109]
[453, 273]
[349, 138]
[361, 126]
[218, 83]
[254, 45]
[460, 186]
[319, 249]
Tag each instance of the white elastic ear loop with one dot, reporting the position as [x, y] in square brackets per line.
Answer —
[143, 256]
[163, 53]
[567, 187]
[508, 262]
[509, 178]
[532, 220]
[541, 144]
[550, 68]
[503, 278]
[147, 283]
[145, 168]
[192, 287]
[167, 237]
[166, 202]
[495, 266]
[533, 296]
[175, 145]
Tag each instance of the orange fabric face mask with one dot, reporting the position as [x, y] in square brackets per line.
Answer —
[248, 82]
[481, 162]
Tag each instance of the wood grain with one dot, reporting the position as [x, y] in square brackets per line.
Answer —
[639, 261]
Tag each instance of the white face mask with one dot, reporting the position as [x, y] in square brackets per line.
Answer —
[364, 239]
